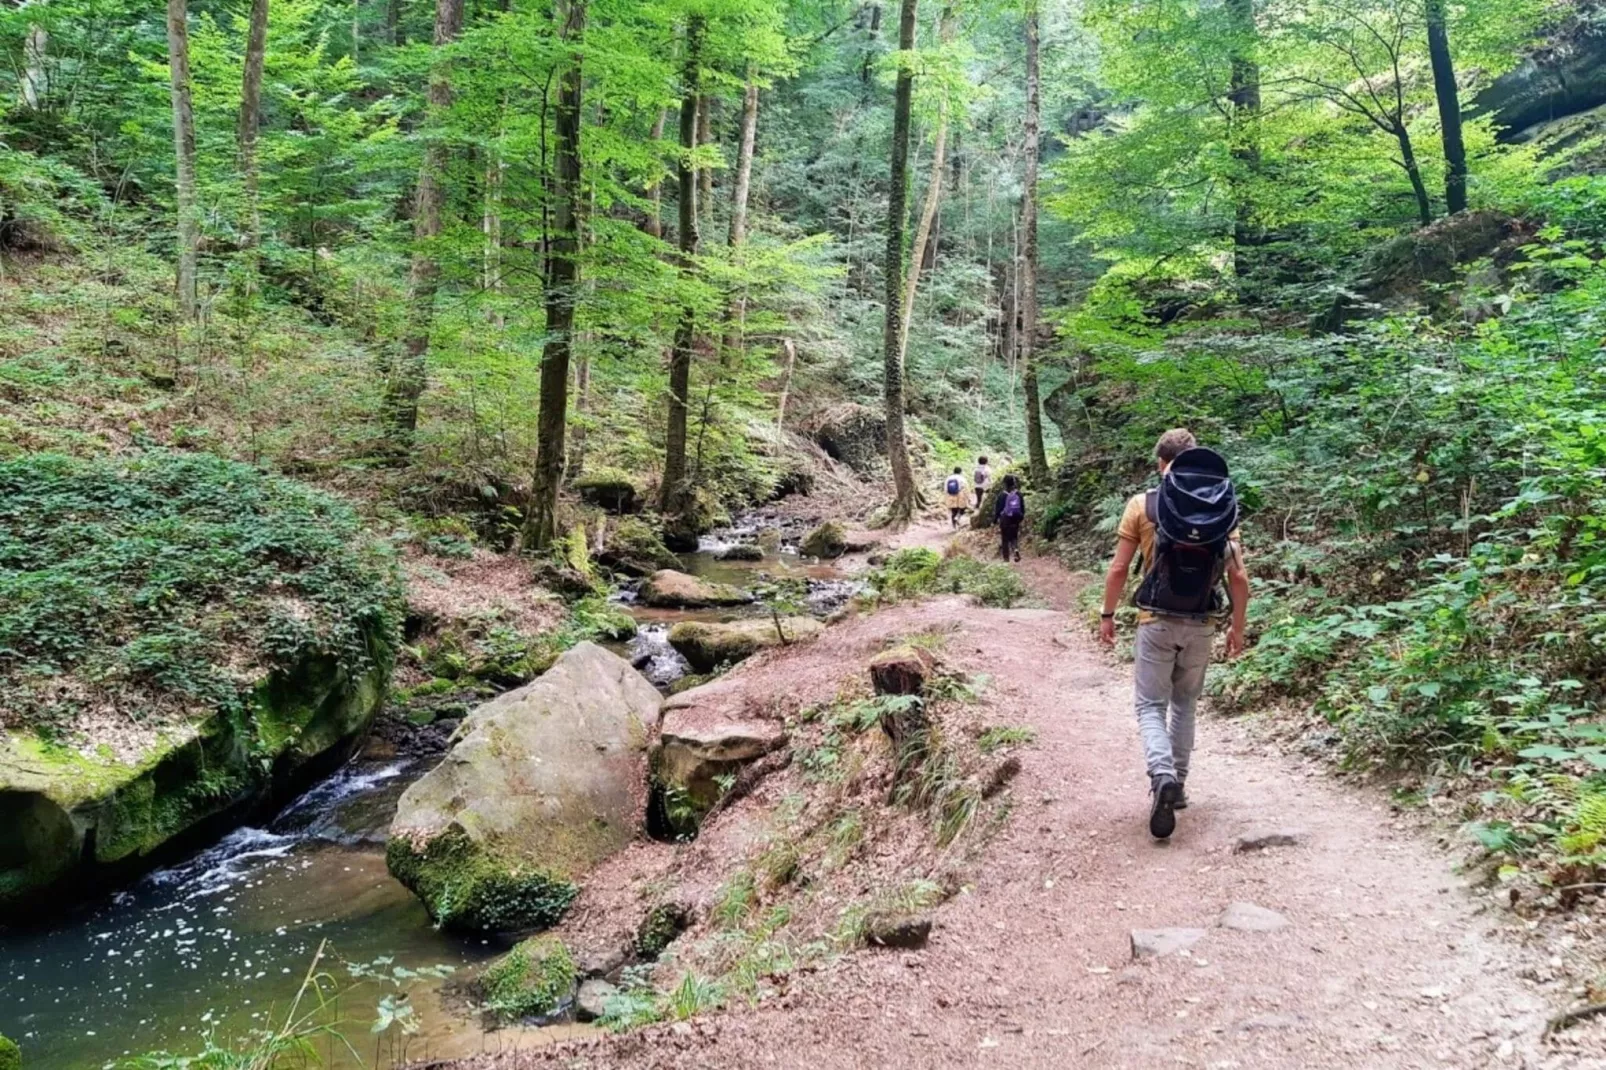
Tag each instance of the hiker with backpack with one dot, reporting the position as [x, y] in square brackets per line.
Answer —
[1186, 532]
[953, 490]
[981, 479]
[1010, 510]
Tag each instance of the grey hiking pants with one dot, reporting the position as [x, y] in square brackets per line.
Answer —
[1168, 676]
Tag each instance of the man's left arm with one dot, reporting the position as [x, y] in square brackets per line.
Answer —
[1238, 590]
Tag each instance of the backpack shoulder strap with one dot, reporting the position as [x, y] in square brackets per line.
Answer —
[1151, 507]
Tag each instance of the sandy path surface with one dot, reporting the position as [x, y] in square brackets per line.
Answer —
[1386, 960]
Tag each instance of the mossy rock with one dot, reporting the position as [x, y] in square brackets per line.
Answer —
[536, 979]
[856, 435]
[742, 551]
[470, 889]
[706, 646]
[10, 1054]
[659, 928]
[828, 541]
[634, 548]
[695, 515]
[611, 489]
[540, 785]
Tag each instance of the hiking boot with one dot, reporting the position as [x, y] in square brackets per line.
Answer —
[1182, 796]
[1162, 813]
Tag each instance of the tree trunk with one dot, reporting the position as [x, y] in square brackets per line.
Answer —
[582, 406]
[406, 384]
[905, 499]
[671, 492]
[1036, 454]
[189, 224]
[36, 67]
[256, 47]
[928, 210]
[736, 308]
[562, 279]
[790, 349]
[654, 223]
[491, 228]
[1449, 97]
[705, 136]
[868, 66]
[1245, 99]
[393, 32]
[1424, 204]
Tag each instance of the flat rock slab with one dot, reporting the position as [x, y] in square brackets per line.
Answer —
[1250, 918]
[1158, 943]
[1261, 839]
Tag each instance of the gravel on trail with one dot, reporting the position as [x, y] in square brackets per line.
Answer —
[1386, 960]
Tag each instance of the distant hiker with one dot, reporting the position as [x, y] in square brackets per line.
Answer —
[954, 491]
[1187, 535]
[1009, 510]
[981, 479]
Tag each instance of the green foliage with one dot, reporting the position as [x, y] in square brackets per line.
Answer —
[918, 572]
[1000, 737]
[161, 585]
[10, 1054]
[536, 978]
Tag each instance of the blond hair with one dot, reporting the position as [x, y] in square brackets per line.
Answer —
[1174, 442]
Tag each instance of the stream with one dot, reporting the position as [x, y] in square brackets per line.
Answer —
[220, 943]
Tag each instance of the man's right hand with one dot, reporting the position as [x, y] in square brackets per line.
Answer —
[1107, 631]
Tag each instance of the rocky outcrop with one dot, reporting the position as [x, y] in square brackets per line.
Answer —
[1564, 77]
[707, 736]
[828, 541]
[633, 548]
[707, 646]
[856, 435]
[73, 820]
[668, 589]
[541, 784]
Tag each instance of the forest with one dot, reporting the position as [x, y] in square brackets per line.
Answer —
[367, 355]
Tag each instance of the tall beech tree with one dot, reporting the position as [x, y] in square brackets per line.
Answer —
[673, 490]
[1037, 455]
[405, 383]
[1448, 96]
[188, 211]
[905, 495]
[562, 277]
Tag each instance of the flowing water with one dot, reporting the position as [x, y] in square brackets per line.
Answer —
[220, 944]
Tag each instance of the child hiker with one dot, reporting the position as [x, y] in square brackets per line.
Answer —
[982, 478]
[954, 494]
[1010, 511]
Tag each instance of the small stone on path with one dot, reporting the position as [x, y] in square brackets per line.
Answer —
[1157, 943]
[1249, 918]
[1260, 839]
[902, 932]
[592, 1002]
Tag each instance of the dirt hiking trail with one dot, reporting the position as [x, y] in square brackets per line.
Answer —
[1384, 959]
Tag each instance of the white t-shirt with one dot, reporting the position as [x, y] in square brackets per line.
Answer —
[983, 476]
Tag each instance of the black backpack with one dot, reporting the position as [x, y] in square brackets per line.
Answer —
[1195, 511]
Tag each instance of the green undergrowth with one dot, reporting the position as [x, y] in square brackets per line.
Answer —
[1426, 529]
[918, 572]
[167, 584]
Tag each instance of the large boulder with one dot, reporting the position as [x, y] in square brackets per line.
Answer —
[541, 784]
[856, 435]
[708, 734]
[534, 980]
[668, 589]
[707, 646]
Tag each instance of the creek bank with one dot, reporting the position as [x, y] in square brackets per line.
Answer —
[707, 646]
